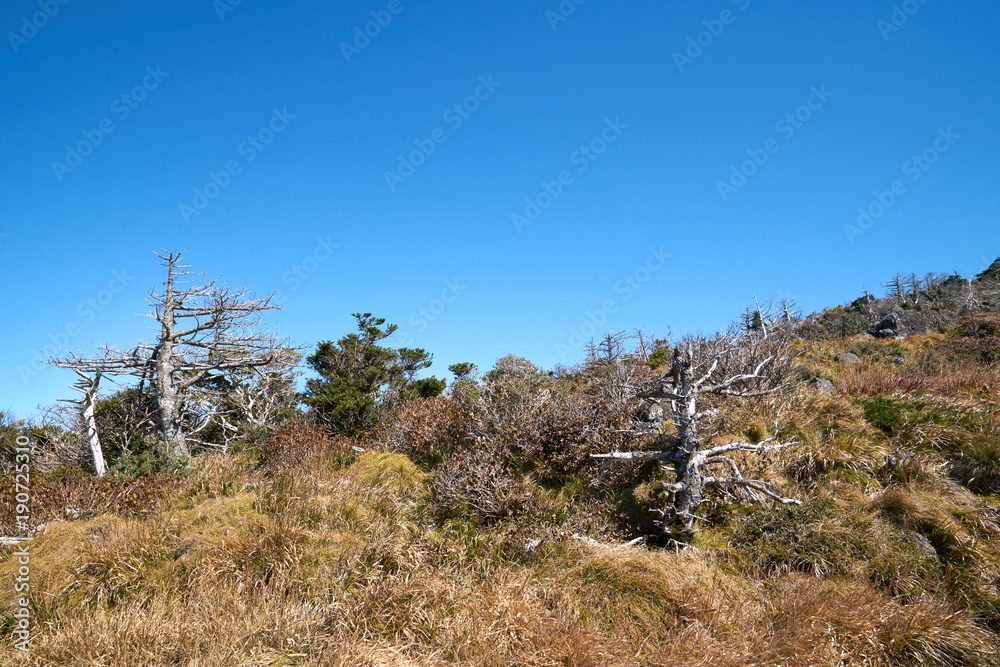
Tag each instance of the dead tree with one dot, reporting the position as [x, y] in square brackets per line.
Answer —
[987, 291]
[789, 311]
[737, 363]
[617, 366]
[202, 328]
[87, 386]
[895, 288]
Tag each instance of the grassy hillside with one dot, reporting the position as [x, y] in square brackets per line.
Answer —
[462, 534]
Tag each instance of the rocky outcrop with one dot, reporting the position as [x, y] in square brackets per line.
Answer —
[900, 322]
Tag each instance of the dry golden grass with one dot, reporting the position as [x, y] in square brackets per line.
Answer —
[328, 557]
[867, 379]
[334, 569]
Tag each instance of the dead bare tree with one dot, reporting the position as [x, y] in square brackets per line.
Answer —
[789, 311]
[895, 288]
[737, 363]
[619, 367]
[202, 328]
[968, 296]
[987, 291]
[87, 386]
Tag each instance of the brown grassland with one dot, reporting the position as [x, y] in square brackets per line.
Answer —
[311, 552]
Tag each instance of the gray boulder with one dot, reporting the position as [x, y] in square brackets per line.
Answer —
[649, 411]
[886, 327]
[847, 358]
[824, 387]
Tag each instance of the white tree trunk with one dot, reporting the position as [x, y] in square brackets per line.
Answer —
[88, 387]
[92, 437]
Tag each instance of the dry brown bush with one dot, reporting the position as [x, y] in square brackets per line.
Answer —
[76, 494]
[478, 484]
[426, 430]
[298, 443]
[976, 340]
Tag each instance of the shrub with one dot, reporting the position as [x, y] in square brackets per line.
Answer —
[10, 430]
[978, 326]
[562, 432]
[839, 322]
[511, 396]
[426, 430]
[877, 350]
[977, 339]
[143, 459]
[297, 442]
[73, 493]
[126, 423]
[480, 485]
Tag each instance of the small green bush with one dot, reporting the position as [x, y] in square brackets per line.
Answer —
[142, 460]
[886, 414]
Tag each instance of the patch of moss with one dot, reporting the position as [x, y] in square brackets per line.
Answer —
[884, 413]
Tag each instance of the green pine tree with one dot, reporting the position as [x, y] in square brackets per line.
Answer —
[360, 379]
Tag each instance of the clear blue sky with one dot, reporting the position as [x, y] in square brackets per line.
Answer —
[614, 108]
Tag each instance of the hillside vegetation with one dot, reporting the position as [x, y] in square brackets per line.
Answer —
[474, 527]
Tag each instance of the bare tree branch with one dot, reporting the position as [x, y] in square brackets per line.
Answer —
[204, 328]
[750, 359]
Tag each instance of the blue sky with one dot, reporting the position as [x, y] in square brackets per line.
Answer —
[491, 176]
